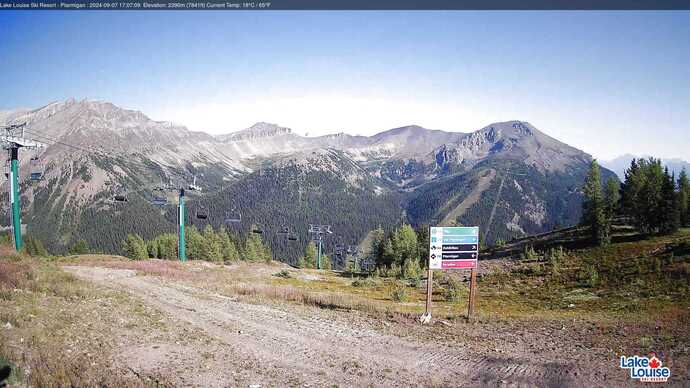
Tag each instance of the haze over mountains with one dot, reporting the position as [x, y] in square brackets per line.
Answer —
[509, 178]
[621, 163]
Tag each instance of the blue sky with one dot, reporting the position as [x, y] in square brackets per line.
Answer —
[608, 83]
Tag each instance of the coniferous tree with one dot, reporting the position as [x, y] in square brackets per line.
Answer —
[378, 242]
[34, 247]
[611, 198]
[194, 243]
[254, 249]
[152, 249]
[669, 208]
[684, 198]
[79, 248]
[630, 188]
[326, 262]
[388, 253]
[423, 244]
[167, 246]
[228, 247]
[611, 203]
[135, 247]
[310, 255]
[593, 214]
[649, 197]
[267, 254]
[211, 248]
[650, 201]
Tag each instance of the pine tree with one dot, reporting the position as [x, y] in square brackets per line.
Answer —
[611, 198]
[152, 249]
[641, 194]
[310, 255]
[227, 246]
[211, 246]
[684, 198]
[167, 246]
[669, 208]
[411, 269]
[254, 249]
[631, 187]
[267, 255]
[79, 248]
[325, 262]
[378, 242]
[423, 244]
[194, 243]
[135, 247]
[388, 254]
[651, 200]
[593, 215]
[34, 247]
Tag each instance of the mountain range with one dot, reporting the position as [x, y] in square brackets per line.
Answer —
[621, 163]
[508, 177]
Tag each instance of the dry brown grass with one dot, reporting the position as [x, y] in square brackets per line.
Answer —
[6, 250]
[12, 274]
[317, 299]
[44, 316]
[173, 270]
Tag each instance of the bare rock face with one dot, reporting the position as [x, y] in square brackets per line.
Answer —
[257, 131]
[515, 140]
[96, 147]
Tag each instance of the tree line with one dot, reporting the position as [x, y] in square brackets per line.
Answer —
[213, 245]
[653, 200]
[208, 244]
[402, 252]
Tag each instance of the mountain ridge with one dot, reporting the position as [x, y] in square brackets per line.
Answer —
[420, 175]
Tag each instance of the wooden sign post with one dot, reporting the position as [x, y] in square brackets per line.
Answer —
[473, 294]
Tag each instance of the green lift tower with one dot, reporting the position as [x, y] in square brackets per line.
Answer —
[12, 139]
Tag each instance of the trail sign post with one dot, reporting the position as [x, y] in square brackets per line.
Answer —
[453, 248]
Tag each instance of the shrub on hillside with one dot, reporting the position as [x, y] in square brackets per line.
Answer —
[411, 269]
[399, 293]
[364, 283]
[452, 293]
[588, 276]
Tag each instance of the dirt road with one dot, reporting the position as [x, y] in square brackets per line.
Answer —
[284, 346]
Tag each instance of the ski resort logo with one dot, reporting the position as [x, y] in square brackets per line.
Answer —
[646, 369]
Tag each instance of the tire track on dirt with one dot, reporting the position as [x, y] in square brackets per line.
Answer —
[317, 351]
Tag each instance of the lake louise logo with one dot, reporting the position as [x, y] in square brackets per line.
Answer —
[646, 369]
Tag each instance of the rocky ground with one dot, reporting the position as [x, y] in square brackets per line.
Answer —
[121, 323]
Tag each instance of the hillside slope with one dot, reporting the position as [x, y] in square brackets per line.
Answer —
[97, 149]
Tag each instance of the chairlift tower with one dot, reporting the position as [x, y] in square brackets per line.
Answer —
[12, 139]
[182, 255]
[318, 231]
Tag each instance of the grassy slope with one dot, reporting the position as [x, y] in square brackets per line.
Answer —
[628, 298]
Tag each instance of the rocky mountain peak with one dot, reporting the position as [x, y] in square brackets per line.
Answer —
[257, 131]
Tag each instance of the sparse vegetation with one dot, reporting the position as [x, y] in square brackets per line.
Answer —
[399, 292]
[364, 283]
[452, 290]
[285, 274]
